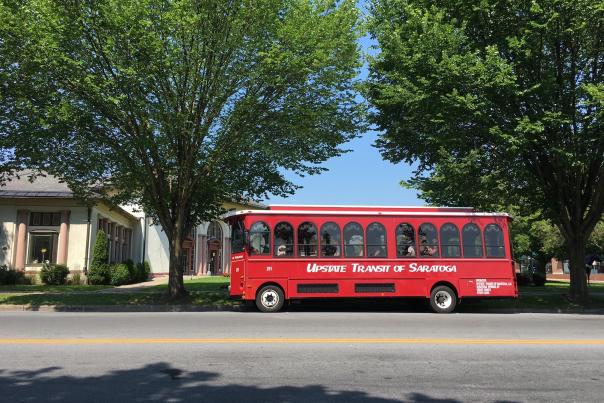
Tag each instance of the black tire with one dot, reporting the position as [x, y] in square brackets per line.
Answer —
[443, 299]
[270, 298]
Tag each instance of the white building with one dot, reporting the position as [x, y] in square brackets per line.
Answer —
[43, 221]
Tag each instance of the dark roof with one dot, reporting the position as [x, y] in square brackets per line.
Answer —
[43, 186]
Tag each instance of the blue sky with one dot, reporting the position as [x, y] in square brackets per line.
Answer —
[358, 177]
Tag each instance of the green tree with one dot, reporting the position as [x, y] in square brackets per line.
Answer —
[497, 99]
[179, 105]
[100, 253]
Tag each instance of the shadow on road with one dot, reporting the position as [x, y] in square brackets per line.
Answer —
[162, 382]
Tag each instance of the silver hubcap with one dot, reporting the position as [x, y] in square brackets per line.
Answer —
[443, 299]
[269, 298]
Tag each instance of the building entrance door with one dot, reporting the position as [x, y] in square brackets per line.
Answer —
[214, 257]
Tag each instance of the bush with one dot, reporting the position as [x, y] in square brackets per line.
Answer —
[143, 271]
[54, 274]
[132, 270]
[75, 279]
[120, 274]
[99, 252]
[11, 277]
[99, 274]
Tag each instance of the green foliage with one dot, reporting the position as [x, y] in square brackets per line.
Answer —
[143, 271]
[99, 274]
[11, 277]
[54, 274]
[120, 274]
[75, 279]
[498, 105]
[100, 251]
[180, 105]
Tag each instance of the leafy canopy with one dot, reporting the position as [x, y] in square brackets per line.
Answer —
[500, 103]
[178, 104]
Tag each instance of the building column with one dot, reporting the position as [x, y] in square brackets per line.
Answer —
[21, 246]
[63, 238]
[202, 248]
[226, 247]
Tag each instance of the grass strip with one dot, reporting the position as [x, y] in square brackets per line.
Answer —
[52, 288]
[114, 299]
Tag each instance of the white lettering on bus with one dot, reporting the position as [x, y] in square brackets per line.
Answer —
[325, 268]
[435, 268]
[372, 268]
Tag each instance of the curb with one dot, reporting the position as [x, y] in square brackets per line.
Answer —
[242, 308]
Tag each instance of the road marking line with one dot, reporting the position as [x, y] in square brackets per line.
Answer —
[92, 341]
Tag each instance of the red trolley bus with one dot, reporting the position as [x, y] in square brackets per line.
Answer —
[296, 252]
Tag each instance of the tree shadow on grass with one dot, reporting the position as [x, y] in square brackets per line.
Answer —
[162, 382]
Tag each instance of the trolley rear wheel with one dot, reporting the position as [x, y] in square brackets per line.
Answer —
[443, 299]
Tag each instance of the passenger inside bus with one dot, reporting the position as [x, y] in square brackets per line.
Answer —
[405, 243]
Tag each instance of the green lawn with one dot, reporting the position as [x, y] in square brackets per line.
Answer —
[556, 302]
[52, 288]
[202, 284]
[113, 299]
[557, 287]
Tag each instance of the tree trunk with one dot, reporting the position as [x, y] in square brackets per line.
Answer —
[176, 286]
[578, 277]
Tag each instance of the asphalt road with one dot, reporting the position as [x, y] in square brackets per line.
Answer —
[300, 356]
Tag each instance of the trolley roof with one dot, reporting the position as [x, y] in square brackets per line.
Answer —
[281, 209]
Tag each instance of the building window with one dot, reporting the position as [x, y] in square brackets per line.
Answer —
[472, 241]
[405, 240]
[45, 219]
[284, 239]
[331, 240]
[307, 239]
[260, 243]
[376, 240]
[449, 240]
[354, 242]
[493, 241]
[214, 231]
[428, 240]
[42, 247]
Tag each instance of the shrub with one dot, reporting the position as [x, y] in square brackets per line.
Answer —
[142, 270]
[132, 270]
[54, 274]
[120, 274]
[11, 277]
[99, 252]
[99, 274]
[75, 279]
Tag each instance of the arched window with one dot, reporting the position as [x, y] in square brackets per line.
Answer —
[215, 231]
[449, 240]
[472, 241]
[405, 240]
[493, 241]
[376, 240]
[260, 243]
[331, 241]
[354, 243]
[428, 240]
[284, 239]
[307, 239]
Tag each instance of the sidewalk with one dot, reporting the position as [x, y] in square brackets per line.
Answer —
[137, 287]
